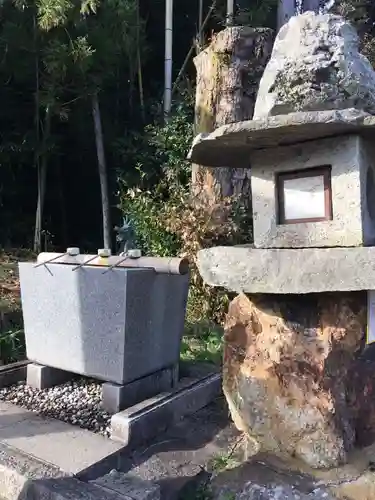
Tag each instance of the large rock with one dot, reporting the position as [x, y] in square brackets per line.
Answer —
[286, 364]
[316, 65]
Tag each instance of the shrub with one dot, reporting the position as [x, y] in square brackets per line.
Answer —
[169, 220]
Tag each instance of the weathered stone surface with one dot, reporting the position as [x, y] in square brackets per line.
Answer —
[277, 491]
[362, 487]
[232, 144]
[128, 486]
[268, 477]
[261, 480]
[316, 65]
[286, 363]
[352, 185]
[284, 271]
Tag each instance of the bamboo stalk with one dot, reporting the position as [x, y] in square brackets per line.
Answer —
[102, 167]
[167, 265]
[139, 68]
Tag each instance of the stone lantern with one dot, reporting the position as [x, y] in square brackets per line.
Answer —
[295, 332]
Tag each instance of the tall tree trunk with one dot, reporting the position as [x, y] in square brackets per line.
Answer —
[139, 67]
[286, 9]
[42, 180]
[64, 227]
[103, 174]
[37, 229]
[228, 75]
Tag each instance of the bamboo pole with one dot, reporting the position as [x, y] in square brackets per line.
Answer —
[163, 265]
[168, 61]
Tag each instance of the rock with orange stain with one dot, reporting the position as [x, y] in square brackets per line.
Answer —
[287, 364]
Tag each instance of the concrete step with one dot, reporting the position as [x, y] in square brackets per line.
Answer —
[177, 459]
[44, 458]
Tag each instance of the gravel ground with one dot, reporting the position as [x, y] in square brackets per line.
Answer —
[77, 402]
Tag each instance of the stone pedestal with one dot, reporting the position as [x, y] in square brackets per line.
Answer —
[286, 366]
[116, 325]
[293, 377]
[116, 397]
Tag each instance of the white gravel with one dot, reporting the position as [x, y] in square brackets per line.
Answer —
[77, 402]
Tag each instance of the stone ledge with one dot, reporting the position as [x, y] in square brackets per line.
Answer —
[18, 471]
[288, 271]
[13, 373]
[66, 447]
[70, 488]
[144, 421]
[232, 144]
[24, 477]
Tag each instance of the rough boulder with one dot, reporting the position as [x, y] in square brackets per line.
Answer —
[316, 65]
[287, 364]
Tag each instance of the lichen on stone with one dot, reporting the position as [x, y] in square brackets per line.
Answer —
[316, 65]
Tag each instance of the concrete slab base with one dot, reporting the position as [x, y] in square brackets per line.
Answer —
[45, 458]
[118, 397]
[145, 420]
[68, 448]
[24, 477]
[172, 464]
[18, 469]
[13, 373]
[42, 458]
[38, 481]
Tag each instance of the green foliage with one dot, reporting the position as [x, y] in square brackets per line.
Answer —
[12, 345]
[145, 211]
[222, 462]
[172, 141]
[87, 41]
[160, 148]
[55, 54]
[52, 13]
[169, 220]
[166, 145]
[203, 341]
